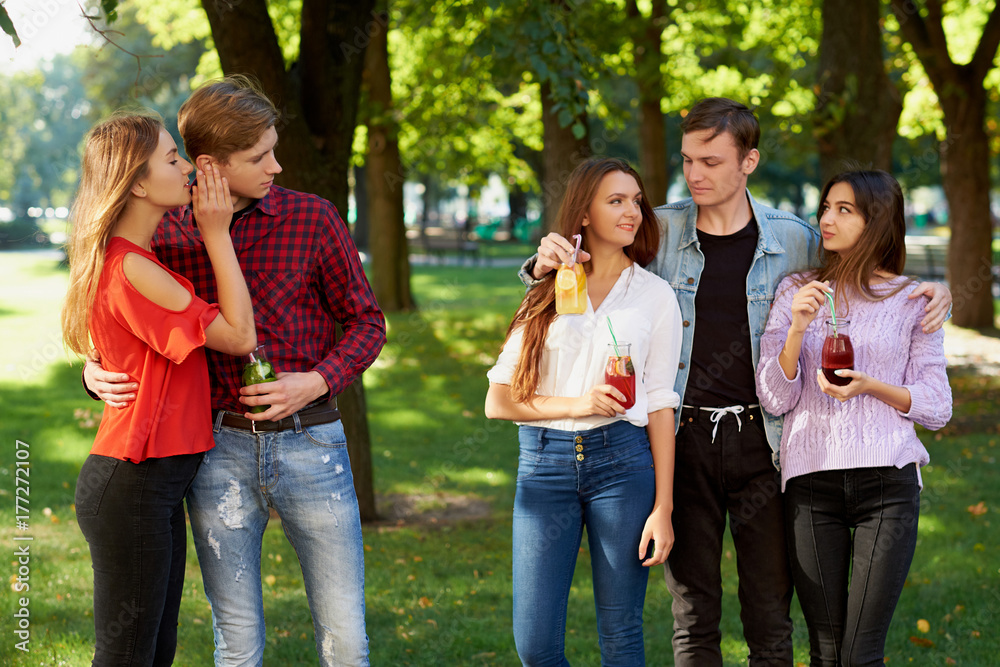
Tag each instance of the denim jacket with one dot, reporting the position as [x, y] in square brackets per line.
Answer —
[784, 244]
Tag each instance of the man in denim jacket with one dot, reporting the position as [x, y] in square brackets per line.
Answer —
[724, 254]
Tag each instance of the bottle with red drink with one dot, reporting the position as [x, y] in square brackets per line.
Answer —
[620, 373]
[838, 353]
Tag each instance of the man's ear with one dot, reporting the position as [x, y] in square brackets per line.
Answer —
[203, 162]
[751, 161]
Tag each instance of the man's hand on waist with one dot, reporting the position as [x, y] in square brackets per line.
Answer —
[115, 389]
[288, 394]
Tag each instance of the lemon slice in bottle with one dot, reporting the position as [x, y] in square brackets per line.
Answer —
[565, 278]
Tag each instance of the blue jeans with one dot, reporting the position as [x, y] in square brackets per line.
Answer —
[132, 515]
[602, 479]
[852, 534]
[305, 476]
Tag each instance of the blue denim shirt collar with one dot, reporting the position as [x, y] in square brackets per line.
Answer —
[767, 241]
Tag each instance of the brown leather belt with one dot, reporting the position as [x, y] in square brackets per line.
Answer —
[324, 413]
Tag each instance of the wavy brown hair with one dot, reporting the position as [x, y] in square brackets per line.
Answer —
[538, 309]
[882, 244]
[115, 155]
[224, 117]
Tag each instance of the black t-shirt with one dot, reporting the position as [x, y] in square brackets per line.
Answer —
[240, 213]
[722, 371]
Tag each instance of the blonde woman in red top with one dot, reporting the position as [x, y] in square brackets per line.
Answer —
[149, 324]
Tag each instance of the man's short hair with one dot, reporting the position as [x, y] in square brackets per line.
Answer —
[720, 114]
[225, 116]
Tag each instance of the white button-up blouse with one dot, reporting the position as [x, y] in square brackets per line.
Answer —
[644, 312]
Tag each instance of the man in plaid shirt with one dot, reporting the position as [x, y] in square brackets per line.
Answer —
[304, 276]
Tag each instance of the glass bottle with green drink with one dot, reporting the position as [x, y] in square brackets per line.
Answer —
[258, 370]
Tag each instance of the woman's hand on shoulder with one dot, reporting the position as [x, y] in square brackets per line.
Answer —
[212, 202]
[807, 303]
[602, 399]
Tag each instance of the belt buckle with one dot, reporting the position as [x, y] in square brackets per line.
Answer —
[253, 426]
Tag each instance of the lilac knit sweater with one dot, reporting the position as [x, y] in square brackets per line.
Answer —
[820, 432]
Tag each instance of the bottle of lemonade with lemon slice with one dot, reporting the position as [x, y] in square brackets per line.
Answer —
[571, 285]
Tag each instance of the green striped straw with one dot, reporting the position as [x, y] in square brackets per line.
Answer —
[611, 329]
[833, 313]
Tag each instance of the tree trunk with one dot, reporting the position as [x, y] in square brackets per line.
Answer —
[518, 201]
[318, 105]
[965, 159]
[389, 252]
[965, 171]
[647, 53]
[858, 107]
[562, 153]
[362, 223]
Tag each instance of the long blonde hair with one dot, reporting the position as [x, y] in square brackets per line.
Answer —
[115, 156]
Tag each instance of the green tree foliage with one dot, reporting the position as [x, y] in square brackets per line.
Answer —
[47, 112]
[455, 124]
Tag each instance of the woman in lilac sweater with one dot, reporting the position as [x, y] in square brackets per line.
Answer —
[850, 455]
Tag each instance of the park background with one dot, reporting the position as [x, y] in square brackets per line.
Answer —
[446, 131]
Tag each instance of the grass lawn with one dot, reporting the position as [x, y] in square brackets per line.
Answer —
[438, 585]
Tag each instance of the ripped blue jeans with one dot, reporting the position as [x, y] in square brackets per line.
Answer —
[306, 478]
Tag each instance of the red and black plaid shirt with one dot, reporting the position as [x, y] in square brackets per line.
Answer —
[304, 276]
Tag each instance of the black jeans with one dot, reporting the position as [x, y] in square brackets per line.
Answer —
[852, 534]
[133, 518]
[732, 475]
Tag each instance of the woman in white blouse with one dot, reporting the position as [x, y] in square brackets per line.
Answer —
[584, 459]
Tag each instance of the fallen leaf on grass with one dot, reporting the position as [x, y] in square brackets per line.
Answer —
[978, 509]
[922, 641]
[923, 625]
[950, 661]
[425, 602]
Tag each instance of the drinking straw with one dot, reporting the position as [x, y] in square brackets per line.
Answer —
[611, 329]
[579, 239]
[833, 313]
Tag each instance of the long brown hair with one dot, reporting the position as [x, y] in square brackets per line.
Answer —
[116, 155]
[882, 244]
[538, 309]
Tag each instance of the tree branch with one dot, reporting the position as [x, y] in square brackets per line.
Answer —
[104, 35]
[927, 38]
[982, 61]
